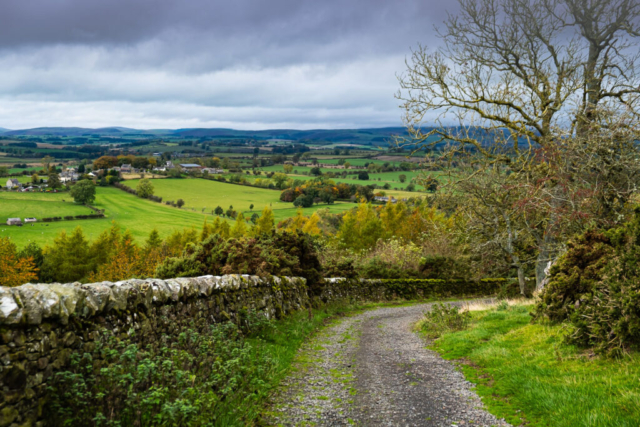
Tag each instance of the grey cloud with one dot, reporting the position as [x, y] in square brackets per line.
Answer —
[304, 63]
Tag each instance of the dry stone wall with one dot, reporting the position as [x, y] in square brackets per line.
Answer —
[42, 325]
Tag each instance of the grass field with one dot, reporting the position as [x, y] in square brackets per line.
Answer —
[38, 205]
[528, 375]
[380, 179]
[202, 195]
[137, 215]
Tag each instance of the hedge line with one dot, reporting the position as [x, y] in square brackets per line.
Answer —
[387, 289]
[69, 217]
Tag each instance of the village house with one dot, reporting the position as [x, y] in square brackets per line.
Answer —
[69, 175]
[14, 221]
[13, 183]
[126, 169]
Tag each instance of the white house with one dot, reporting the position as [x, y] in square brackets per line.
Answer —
[14, 221]
[13, 183]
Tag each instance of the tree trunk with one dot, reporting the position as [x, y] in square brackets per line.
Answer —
[522, 282]
[543, 260]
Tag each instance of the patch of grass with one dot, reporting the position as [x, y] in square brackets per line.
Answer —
[526, 374]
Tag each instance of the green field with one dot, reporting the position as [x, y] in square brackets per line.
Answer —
[138, 215]
[380, 179]
[202, 195]
[141, 216]
[38, 205]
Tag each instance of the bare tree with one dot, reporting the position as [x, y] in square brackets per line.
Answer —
[533, 85]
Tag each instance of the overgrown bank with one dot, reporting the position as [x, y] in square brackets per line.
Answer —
[527, 373]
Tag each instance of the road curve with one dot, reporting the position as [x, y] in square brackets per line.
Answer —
[371, 369]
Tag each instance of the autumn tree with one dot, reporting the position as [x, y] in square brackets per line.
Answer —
[266, 222]
[14, 270]
[105, 162]
[240, 227]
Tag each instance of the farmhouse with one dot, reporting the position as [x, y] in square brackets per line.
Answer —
[30, 220]
[125, 169]
[14, 221]
[13, 183]
[68, 175]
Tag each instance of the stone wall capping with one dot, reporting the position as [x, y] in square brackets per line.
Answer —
[35, 303]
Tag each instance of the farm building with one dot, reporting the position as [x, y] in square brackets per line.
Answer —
[30, 220]
[188, 167]
[213, 170]
[13, 183]
[126, 169]
[14, 221]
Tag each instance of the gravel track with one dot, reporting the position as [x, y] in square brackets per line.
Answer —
[371, 369]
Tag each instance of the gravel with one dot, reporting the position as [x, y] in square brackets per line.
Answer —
[371, 369]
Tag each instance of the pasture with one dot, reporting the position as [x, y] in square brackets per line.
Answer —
[203, 196]
[137, 215]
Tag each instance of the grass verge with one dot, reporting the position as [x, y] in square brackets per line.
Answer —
[526, 374]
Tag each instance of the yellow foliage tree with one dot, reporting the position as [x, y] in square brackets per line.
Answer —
[266, 222]
[240, 227]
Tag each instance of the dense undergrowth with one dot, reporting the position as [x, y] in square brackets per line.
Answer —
[529, 375]
[221, 377]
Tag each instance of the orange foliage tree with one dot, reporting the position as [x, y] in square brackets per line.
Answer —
[14, 271]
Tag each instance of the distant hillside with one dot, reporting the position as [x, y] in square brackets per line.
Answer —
[3, 130]
[354, 136]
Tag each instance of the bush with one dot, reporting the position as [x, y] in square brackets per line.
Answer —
[596, 287]
[445, 318]
[278, 254]
[179, 382]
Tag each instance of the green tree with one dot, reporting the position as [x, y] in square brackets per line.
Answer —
[35, 179]
[180, 203]
[402, 177]
[84, 192]
[287, 168]
[218, 211]
[154, 240]
[54, 181]
[251, 207]
[68, 259]
[144, 188]
[279, 179]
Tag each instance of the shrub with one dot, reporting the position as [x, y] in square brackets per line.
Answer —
[178, 382]
[445, 318]
[596, 287]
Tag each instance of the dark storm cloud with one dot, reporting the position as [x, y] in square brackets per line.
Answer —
[255, 56]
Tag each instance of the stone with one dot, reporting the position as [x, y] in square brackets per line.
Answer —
[10, 310]
[7, 415]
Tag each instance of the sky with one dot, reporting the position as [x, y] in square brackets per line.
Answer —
[243, 64]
